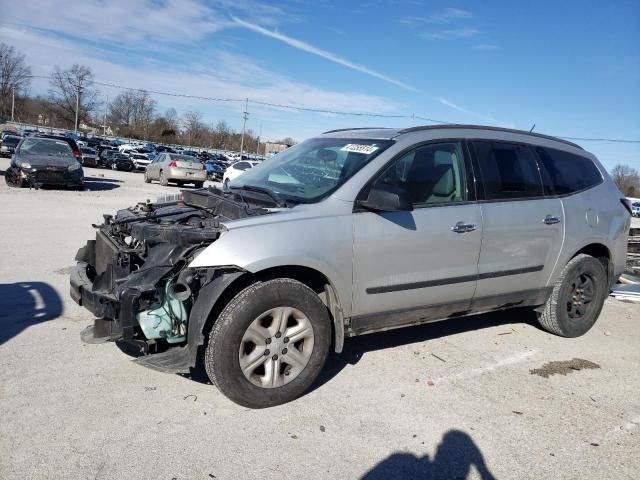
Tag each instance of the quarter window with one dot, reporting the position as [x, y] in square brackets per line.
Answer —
[508, 170]
[565, 173]
[431, 174]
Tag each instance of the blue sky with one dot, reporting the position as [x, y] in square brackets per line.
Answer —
[571, 67]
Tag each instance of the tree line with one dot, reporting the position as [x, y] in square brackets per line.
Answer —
[131, 114]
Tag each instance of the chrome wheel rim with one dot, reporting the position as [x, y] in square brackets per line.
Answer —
[276, 347]
[581, 294]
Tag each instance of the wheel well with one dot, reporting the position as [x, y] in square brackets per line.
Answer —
[310, 277]
[599, 251]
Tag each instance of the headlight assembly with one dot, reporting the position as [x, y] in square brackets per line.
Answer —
[74, 167]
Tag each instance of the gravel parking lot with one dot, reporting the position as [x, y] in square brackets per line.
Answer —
[469, 398]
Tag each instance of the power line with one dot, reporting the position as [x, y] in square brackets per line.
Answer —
[318, 110]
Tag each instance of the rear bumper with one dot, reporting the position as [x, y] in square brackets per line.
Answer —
[185, 176]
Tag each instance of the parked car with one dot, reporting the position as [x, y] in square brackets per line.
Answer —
[635, 209]
[237, 169]
[215, 170]
[139, 160]
[106, 156]
[44, 161]
[172, 167]
[351, 232]
[9, 144]
[88, 157]
[121, 161]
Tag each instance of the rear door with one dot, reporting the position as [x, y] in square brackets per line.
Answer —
[523, 229]
[420, 265]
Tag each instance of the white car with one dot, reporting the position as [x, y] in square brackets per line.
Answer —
[139, 160]
[237, 169]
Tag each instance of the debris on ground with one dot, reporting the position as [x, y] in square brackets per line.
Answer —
[430, 383]
[629, 292]
[563, 367]
[517, 412]
[150, 389]
[322, 429]
[439, 358]
[195, 397]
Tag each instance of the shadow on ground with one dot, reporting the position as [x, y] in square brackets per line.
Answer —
[97, 184]
[24, 304]
[455, 456]
[355, 348]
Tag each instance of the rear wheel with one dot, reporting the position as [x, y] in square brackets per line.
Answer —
[147, 179]
[163, 179]
[198, 184]
[577, 298]
[269, 343]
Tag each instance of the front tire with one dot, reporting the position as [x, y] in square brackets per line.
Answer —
[146, 178]
[269, 343]
[577, 298]
[163, 179]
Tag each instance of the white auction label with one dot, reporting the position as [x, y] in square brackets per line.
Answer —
[356, 148]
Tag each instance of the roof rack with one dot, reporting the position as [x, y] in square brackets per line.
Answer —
[358, 128]
[481, 127]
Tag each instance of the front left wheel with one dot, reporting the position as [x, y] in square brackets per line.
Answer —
[269, 343]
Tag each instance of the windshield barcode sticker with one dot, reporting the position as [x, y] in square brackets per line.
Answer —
[355, 148]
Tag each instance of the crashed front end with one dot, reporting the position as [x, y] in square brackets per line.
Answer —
[134, 276]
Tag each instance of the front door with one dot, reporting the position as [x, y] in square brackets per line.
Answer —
[420, 265]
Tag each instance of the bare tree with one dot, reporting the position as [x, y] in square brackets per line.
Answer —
[70, 88]
[132, 113]
[627, 179]
[194, 128]
[15, 77]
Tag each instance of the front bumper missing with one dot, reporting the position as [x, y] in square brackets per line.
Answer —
[100, 284]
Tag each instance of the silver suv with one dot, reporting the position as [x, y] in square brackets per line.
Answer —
[351, 232]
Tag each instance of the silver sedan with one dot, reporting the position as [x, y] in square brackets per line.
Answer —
[180, 169]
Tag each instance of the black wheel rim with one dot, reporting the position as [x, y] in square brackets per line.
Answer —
[581, 293]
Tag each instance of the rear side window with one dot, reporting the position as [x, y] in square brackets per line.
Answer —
[565, 173]
[508, 170]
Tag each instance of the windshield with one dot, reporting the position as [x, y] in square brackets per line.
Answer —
[183, 158]
[45, 146]
[10, 141]
[313, 169]
[88, 151]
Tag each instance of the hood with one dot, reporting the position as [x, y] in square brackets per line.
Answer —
[46, 160]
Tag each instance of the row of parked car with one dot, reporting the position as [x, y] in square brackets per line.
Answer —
[160, 163]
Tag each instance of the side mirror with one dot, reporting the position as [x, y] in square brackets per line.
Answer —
[386, 198]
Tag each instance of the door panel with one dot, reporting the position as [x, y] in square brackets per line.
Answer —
[519, 250]
[406, 260]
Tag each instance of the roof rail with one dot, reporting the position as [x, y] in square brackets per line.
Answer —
[481, 127]
[358, 128]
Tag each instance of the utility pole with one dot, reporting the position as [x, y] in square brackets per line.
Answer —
[245, 115]
[13, 102]
[259, 137]
[104, 118]
[75, 130]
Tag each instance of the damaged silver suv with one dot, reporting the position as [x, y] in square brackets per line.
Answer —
[351, 232]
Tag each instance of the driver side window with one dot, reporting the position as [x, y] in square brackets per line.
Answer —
[430, 174]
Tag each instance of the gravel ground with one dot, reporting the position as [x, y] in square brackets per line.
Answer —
[450, 400]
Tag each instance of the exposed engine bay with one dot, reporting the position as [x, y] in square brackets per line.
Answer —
[134, 275]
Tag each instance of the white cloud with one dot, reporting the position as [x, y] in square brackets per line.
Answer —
[463, 32]
[210, 74]
[305, 47]
[484, 118]
[486, 46]
[449, 15]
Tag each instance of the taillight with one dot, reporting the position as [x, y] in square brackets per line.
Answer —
[76, 153]
[173, 164]
[627, 204]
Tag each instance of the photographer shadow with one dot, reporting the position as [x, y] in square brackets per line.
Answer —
[455, 456]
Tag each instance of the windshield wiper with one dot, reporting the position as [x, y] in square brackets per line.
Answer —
[274, 196]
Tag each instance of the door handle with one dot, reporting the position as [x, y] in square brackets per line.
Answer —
[462, 227]
[551, 219]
